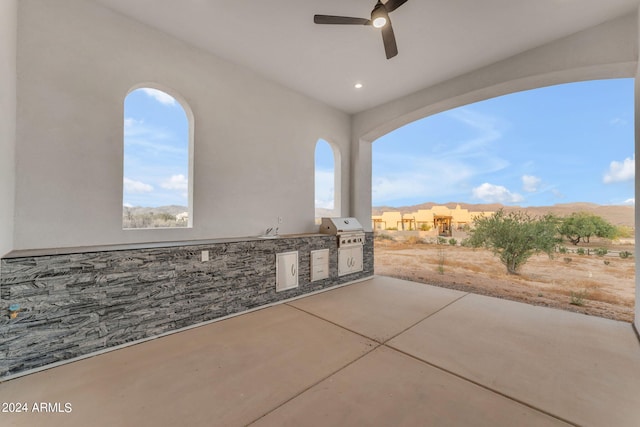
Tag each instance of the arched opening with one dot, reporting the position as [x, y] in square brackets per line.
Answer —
[157, 160]
[564, 150]
[327, 180]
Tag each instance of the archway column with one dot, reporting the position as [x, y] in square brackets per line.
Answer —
[636, 320]
[360, 206]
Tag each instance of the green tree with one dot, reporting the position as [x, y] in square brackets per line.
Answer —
[514, 237]
[582, 225]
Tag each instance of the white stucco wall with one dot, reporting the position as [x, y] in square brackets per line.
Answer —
[254, 140]
[636, 319]
[8, 34]
[605, 51]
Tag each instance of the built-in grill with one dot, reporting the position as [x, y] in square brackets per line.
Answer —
[348, 230]
[350, 238]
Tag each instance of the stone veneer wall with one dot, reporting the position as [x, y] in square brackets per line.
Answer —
[79, 303]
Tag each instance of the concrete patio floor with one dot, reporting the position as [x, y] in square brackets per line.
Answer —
[382, 352]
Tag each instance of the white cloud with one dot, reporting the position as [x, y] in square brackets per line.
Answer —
[409, 178]
[420, 179]
[398, 187]
[617, 121]
[490, 193]
[442, 169]
[134, 187]
[150, 138]
[176, 182]
[530, 183]
[621, 171]
[631, 201]
[487, 129]
[159, 96]
[130, 124]
[324, 189]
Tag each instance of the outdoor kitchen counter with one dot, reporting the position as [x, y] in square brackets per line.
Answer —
[151, 245]
[94, 298]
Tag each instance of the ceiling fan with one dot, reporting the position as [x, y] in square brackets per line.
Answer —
[379, 19]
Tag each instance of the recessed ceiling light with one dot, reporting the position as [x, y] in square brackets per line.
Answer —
[358, 85]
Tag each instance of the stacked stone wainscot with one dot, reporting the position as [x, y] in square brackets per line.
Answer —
[75, 304]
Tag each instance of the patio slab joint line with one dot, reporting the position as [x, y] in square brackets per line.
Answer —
[425, 318]
[376, 346]
[335, 324]
[528, 405]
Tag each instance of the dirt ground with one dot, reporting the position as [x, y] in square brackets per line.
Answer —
[596, 285]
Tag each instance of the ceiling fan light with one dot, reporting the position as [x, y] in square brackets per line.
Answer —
[379, 22]
[379, 16]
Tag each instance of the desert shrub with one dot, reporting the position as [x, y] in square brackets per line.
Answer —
[453, 242]
[392, 228]
[607, 262]
[413, 240]
[601, 251]
[562, 249]
[442, 241]
[441, 259]
[380, 236]
[580, 251]
[425, 227]
[165, 217]
[567, 259]
[625, 254]
[624, 231]
[577, 298]
[151, 220]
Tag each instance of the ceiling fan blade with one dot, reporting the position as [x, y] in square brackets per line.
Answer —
[392, 5]
[389, 40]
[340, 20]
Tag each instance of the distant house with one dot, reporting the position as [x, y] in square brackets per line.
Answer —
[182, 217]
[440, 218]
[387, 221]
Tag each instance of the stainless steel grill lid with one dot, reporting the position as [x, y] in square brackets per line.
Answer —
[339, 225]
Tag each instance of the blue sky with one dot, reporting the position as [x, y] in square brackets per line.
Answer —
[324, 175]
[560, 144]
[156, 157]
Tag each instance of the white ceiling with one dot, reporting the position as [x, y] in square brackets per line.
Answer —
[437, 39]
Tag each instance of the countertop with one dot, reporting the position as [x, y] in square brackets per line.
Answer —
[21, 253]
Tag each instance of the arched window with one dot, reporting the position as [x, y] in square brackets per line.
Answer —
[157, 165]
[327, 180]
